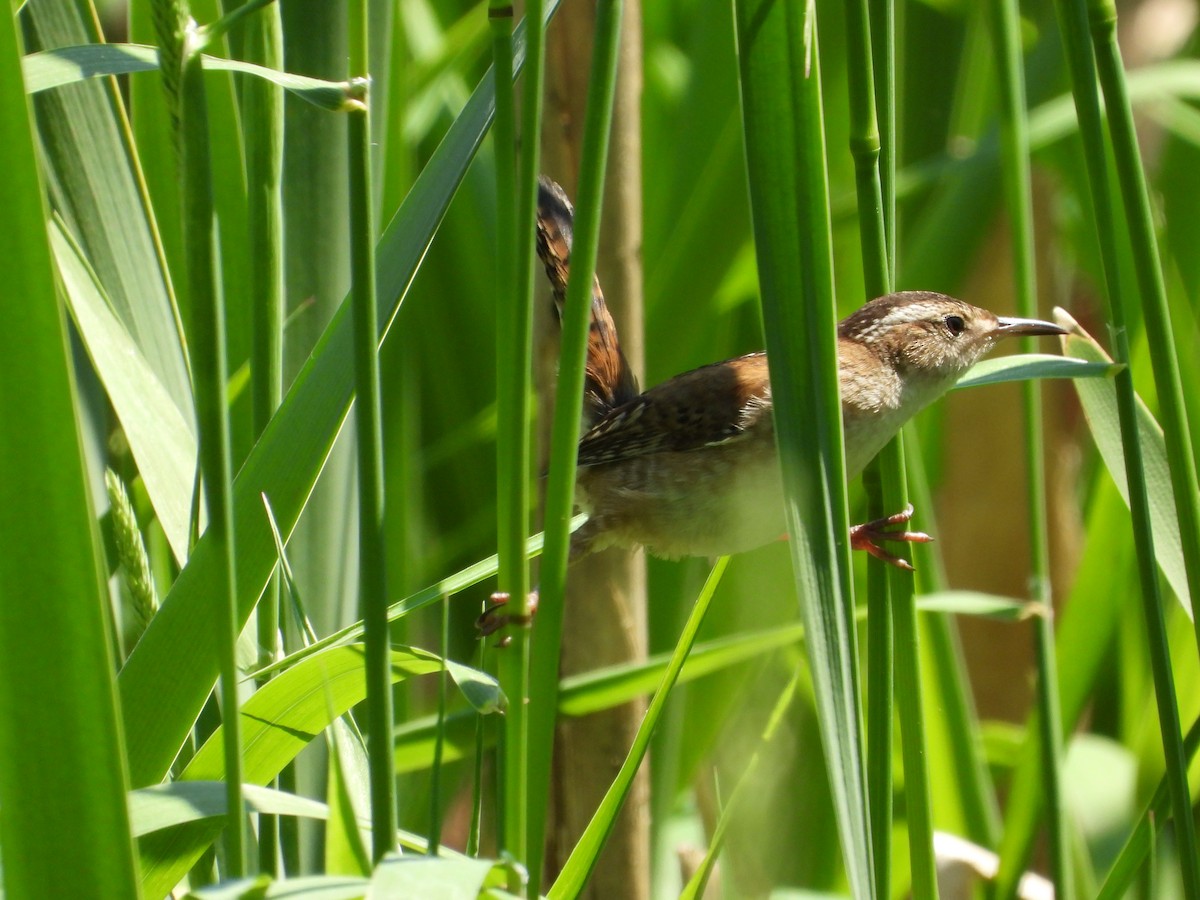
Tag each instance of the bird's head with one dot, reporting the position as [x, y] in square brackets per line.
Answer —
[925, 334]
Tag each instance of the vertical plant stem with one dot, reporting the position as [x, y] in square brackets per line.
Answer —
[880, 634]
[864, 146]
[372, 575]
[1172, 411]
[262, 125]
[880, 693]
[207, 340]
[1014, 138]
[513, 375]
[1074, 26]
[882, 24]
[783, 124]
[560, 486]
[435, 768]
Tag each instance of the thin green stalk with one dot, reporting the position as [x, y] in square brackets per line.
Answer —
[882, 18]
[909, 694]
[262, 125]
[880, 693]
[513, 374]
[372, 554]
[864, 146]
[1014, 140]
[973, 785]
[783, 125]
[475, 832]
[435, 768]
[890, 593]
[1073, 22]
[1172, 411]
[881, 634]
[560, 486]
[207, 339]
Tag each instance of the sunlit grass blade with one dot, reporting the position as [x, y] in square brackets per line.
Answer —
[162, 441]
[63, 782]
[180, 802]
[1100, 402]
[70, 65]
[782, 118]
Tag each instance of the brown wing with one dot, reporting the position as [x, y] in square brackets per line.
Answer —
[609, 380]
[715, 404]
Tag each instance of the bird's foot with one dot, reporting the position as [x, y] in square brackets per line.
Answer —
[864, 537]
[494, 618]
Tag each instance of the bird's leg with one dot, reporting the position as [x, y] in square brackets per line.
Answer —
[494, 618]
[864, 537]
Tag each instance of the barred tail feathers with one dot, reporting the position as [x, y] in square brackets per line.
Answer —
[609, 381]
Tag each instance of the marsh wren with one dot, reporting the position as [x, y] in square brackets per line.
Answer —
[689, 467]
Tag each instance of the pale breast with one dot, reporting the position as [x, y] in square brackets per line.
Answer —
[711, 502]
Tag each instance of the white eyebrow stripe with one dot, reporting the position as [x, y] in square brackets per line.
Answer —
[913, 312]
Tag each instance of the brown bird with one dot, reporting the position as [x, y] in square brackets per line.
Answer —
[689, 467]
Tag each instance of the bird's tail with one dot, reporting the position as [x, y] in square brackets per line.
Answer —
[608, 380]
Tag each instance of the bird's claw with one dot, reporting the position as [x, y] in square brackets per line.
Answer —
[864, 537]
[494, 618]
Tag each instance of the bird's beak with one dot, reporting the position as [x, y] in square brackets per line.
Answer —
[1010, 327]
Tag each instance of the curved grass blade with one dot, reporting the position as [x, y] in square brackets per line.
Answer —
[49, 69]
[161, 439]
[180, 802]
[1029, 366]
[1099, 401]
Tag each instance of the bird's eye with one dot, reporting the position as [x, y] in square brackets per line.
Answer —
[956, 325]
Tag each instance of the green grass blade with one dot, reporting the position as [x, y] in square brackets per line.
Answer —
[1099, 400]
[70, 65]
[609, 687]
[180, 802]
[1029, 366]
[161, 439]
[277, 722]
[65, 826]
[423, 876]
[1140, 843]
[97, 191]
[782, 118]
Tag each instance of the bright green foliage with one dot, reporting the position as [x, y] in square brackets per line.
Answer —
[98, 354]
